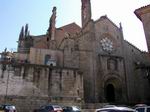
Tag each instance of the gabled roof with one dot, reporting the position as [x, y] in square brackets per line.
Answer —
[143, 10]
[61, 32]
[71, 28]
[106, 18]
[67, 30]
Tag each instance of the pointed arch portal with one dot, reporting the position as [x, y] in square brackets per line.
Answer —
[113, 89]
[110, 93]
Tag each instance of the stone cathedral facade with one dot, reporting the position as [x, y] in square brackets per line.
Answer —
[88, 64]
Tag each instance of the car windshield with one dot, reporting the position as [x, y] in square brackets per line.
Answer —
[148, 109]
[140, 109]
[10, 107]
[57, 107]
[1, 107]
[75, 108]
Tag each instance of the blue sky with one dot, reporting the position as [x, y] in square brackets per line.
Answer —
[16, 13]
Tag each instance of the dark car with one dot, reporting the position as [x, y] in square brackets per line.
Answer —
[71, 109]
[142, 108]
[49, 108]
[7, 108]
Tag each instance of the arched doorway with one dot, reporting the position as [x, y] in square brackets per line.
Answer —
[47, 58]
[110, 93]
[112, 89]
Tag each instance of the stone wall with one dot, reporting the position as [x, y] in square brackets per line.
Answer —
[38, 56]
[29, 86]
[136, 78]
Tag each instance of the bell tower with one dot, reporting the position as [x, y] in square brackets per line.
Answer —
[143, 14]
[86, 12]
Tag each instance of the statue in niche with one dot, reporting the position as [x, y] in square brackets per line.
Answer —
[112, 64]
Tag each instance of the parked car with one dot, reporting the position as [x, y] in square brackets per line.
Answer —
[139, 105]
[106, 106]
[71, 109]
[142, 108]
[115, 109]
[49, 108]
[7, 108]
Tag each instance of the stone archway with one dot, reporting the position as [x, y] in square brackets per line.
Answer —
[113, 89]
[110, 93]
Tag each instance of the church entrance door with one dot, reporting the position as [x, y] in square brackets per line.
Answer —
[110, 93]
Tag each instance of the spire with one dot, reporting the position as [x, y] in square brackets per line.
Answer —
[120, 26]
[86, 12]
[21, 35]
[26, 30]
[52, 22]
